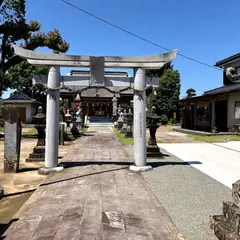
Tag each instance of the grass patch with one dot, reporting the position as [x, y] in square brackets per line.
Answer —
[216, 138]
[29, 132]
[123, 140]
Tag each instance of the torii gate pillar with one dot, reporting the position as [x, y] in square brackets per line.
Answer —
[52, 123]
[139, 130]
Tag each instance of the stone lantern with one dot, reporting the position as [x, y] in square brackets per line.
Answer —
[68, 119]
[124, 127]
[153, 123]
[129, 132]
[38, 154]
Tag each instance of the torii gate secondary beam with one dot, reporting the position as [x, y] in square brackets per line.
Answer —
[97, 65]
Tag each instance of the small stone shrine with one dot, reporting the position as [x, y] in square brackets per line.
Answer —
[12, 139]
[227, 225]
[153, 124]
[38, 154]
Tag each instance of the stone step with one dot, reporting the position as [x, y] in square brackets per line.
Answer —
[39, 149]
[37, 155]
[35, 159]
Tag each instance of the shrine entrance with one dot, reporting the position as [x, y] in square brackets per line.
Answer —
[97, 81]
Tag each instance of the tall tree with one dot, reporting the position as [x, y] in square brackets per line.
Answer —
[190, 93]
[13, 30]
[166, 96]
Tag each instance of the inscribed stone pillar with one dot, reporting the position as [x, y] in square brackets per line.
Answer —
[12, 139]
[52, 121]
[140, 119]
[114, 105]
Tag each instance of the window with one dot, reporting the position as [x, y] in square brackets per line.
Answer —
[238, 70]
[237, 110]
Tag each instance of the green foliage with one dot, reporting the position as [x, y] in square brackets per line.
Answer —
[172, 121]
[164, 119]
[166, 99]
[13, 30]
[216, 138]
[190, 93]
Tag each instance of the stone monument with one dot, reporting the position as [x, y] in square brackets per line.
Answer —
[12, 139]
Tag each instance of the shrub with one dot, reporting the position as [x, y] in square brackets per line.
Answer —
[172, 121]
[164, 119]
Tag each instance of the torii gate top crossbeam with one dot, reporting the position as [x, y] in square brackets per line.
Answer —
[48, 59]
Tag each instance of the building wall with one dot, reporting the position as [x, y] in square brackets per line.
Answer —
[233, 97]
[83, 81]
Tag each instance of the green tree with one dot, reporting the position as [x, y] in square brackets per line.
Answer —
[15, 72]
[190, 93]
[166, 96]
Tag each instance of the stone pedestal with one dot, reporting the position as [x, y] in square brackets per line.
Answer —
[12, 139]
[152, 147]
[124, 126]
[120, 124]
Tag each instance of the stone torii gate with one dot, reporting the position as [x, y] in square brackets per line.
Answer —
[97, 65]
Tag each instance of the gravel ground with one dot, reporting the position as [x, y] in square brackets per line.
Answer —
[188, 195]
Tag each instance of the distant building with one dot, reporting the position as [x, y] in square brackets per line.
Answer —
[26, 105]
[217, 109]
[97, 102]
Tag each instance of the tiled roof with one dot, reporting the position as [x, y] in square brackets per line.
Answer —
[19, 98]
[103, 92]
[223, 89]
[228, 59]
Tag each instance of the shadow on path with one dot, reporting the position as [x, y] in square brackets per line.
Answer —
[153, 164]
[4, 227]
[80, 176]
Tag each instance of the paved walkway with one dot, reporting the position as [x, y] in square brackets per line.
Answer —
[95, 197]
[220, 161]
[188, 195]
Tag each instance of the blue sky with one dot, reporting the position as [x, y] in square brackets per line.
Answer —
[206, 30]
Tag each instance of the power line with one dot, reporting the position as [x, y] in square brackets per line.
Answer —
[137, 36]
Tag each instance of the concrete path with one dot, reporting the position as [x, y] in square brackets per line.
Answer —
[220, 161]
[95, 197]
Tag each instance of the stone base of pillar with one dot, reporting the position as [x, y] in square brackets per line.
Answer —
[153, 151]
[46, 171]
[135, 168]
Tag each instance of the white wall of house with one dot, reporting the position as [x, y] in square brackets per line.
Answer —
[233, 97]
